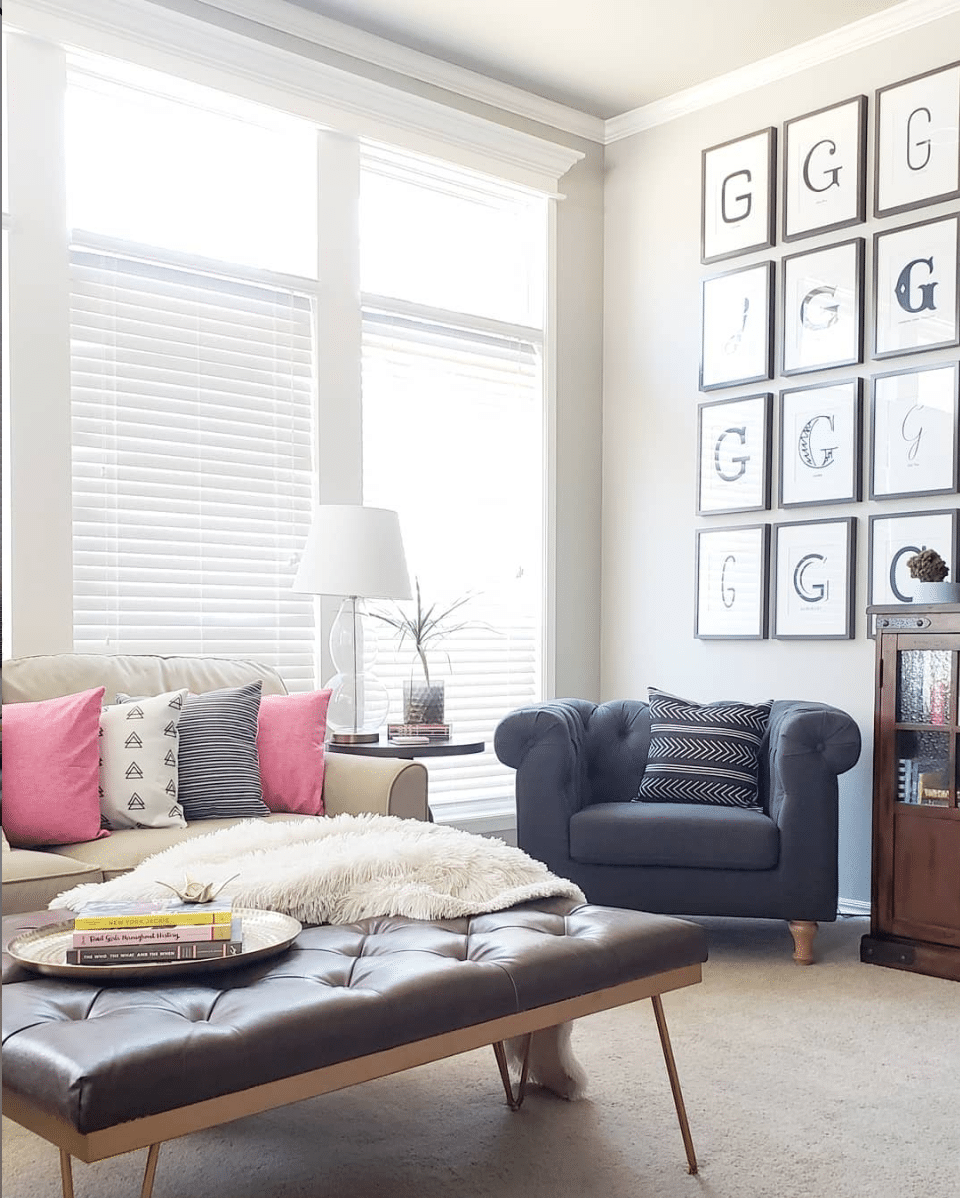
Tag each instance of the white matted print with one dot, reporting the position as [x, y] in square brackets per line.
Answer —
[737, 196]
[732, 583]
[916, 288]
[896, 538]
[736, 327]
[822, 308]
[820, 438]
[734, 451]
[814, 572]
[914, 442]
[824, 169]
[918, 141]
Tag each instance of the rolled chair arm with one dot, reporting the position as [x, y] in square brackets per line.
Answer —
[545, 745]
[380, 785]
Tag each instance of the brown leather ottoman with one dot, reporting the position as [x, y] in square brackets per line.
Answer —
[345, 1004]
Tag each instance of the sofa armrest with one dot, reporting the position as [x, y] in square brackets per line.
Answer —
[545, 744]
[810, 745]
[381, 785]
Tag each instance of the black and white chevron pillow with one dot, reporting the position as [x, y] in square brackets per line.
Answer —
[703, 753]
[219, 770]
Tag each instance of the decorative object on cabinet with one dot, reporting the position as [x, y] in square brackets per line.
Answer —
[918, 141]
[823, 308]
[825, 169]
[915, 896]
[814, 579]
[929, 571]
[734, 453]
[913, 432]
[916, 288]
[736, 327]
[737, 198]
[894, 539]
[732, 566]
[820, 438]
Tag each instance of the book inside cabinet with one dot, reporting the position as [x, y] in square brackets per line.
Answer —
[915, 900]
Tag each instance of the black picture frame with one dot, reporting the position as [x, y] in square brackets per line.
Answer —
[917, 141]
[900, 298]
[731, 600]
[896, 536]
[736, 326]
[814, 579]
[913, 442]
[738, 196]
[829, 144]
[822, 308]
[734, 444]
[821, 439]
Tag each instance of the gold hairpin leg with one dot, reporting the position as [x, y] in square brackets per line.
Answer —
[514, 1099]
[150, 1171]
[66, 1174]
[674, 1082]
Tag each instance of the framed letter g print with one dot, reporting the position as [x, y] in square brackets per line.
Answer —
[732, 583]
[738, 212]
[736, 327]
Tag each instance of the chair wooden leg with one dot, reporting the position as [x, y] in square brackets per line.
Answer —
[803, 931]
[674, 1083]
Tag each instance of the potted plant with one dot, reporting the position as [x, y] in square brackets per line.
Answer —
[425, 626]
[928, 570]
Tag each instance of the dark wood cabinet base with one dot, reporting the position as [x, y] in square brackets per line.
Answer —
[935, 960]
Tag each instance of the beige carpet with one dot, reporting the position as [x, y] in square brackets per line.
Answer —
[837, 1081]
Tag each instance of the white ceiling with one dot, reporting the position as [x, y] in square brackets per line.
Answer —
[602, 57]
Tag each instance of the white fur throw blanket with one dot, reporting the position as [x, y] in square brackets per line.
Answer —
[351, 867]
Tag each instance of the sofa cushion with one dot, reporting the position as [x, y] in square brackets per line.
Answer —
[219, 768]
[31, 878]
[139, 749]
[51, 770]
[128, 847]
[291, 731]
[703, 753]
[683, 835]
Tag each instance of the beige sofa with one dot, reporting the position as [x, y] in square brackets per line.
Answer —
[351, 784]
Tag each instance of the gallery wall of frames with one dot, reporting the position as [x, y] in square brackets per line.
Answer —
[893, 423]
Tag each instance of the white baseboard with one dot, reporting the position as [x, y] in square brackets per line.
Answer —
[853, 907]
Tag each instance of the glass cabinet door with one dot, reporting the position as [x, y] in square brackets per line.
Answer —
[926, 727]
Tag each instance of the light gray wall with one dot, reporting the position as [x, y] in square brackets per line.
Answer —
[651, 358]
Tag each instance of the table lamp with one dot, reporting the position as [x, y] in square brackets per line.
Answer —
[356, 552]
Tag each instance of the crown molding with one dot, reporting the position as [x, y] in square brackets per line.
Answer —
[322, 31]
[901, 18]
[183, 43]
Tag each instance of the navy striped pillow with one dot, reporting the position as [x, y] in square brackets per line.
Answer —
[219, 770]
[703, 753]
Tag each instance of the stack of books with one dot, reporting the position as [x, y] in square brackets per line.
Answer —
[430, 731]
[134, 933]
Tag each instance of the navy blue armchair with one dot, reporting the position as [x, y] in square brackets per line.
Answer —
[578, 765]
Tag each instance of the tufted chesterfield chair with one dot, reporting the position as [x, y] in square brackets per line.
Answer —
[578, 766]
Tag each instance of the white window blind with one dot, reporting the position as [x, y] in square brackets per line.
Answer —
[452, 439]
[193, 399]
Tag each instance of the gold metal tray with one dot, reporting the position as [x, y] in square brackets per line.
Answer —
[44, 950]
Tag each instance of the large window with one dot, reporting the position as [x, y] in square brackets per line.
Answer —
[192, 378]
[452, 276]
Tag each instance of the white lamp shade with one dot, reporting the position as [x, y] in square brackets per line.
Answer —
[354, 550]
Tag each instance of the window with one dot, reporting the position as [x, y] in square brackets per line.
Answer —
[192, 383]
[453, 434]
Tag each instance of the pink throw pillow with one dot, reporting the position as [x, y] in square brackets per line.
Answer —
[291, 730]
[51, 770]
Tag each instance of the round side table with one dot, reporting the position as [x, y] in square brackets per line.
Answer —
[455, 746]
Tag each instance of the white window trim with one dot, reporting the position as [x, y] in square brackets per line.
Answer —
[186, 44]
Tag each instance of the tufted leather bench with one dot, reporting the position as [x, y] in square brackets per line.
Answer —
[345, 1004]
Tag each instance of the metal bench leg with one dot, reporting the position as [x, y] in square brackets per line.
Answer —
[150, 1171]
[514, 1100]
[66, 1174]
[674, 1082]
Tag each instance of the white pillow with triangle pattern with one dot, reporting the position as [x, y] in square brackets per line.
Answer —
[139, 754]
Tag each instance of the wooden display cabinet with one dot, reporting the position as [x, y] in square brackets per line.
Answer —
[915, 900]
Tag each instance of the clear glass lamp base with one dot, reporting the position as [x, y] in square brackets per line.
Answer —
[359, 702]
